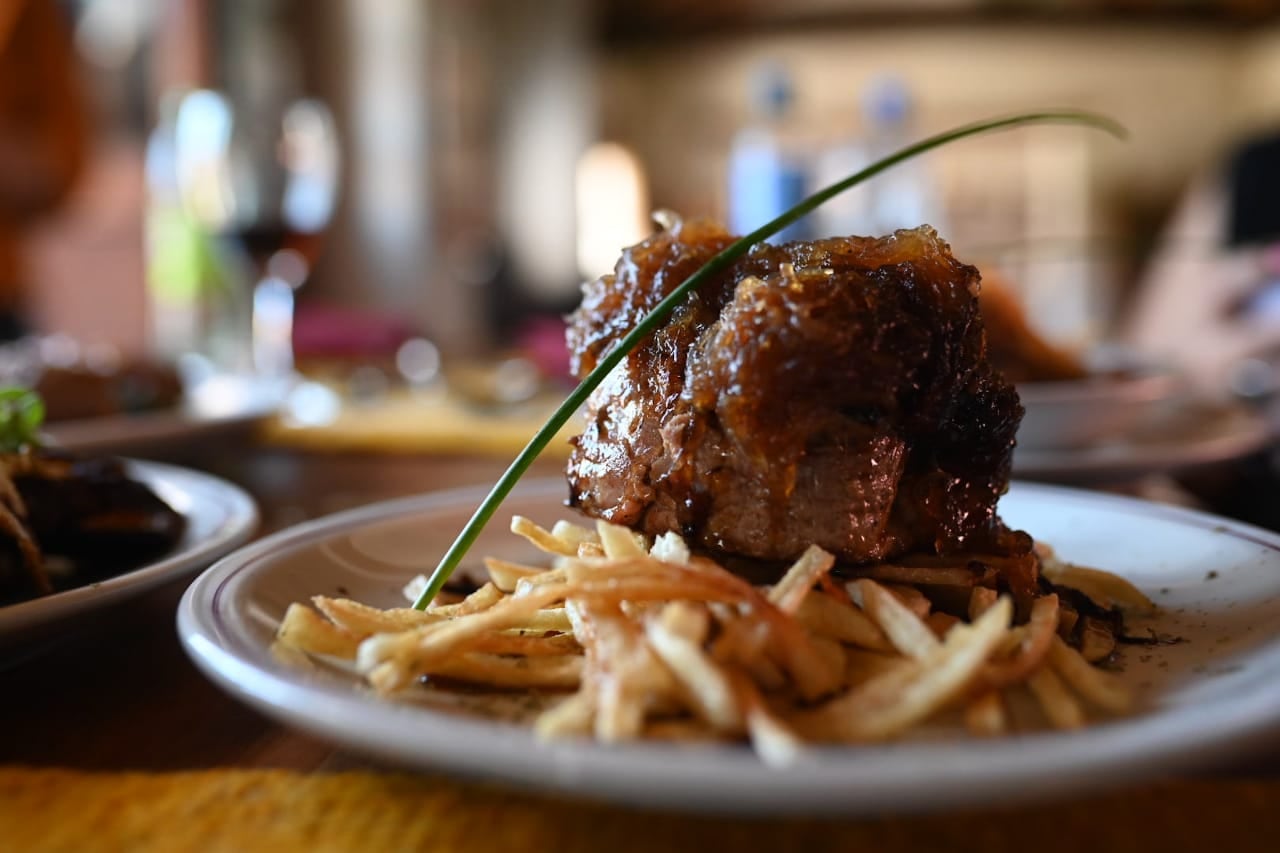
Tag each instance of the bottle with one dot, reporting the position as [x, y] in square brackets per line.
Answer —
[767, 173]
[902, 197]
[199, 317]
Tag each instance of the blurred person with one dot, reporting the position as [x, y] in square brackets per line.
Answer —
[1209, 305]
[43, 136]
[1210, 299]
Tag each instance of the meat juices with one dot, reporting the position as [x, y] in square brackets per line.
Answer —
[834, 392]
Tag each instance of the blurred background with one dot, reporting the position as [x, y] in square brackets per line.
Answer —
[396, 185]
[494, 153]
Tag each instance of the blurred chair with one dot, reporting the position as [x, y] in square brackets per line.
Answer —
[43, 135]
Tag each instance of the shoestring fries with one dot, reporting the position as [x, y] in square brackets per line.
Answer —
[642, 639]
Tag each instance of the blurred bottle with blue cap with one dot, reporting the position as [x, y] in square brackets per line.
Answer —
[902, 197]
[767, 163]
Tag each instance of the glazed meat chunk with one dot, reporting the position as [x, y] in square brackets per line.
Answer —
[833, 392]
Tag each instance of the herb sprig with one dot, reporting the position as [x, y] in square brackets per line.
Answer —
[660, 312]
[21, 415]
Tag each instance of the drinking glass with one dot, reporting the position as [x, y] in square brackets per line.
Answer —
[263, 178]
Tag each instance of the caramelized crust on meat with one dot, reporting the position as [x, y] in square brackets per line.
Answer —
[833, 392]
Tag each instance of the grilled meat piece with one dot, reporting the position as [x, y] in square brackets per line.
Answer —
[91, 511]
[833, 392]
[88, 511]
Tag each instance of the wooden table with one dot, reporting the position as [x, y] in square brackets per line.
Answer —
[115, 692]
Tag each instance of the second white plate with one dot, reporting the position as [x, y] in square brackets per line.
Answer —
[219, 516]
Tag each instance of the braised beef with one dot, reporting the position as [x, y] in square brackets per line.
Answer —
[835, 392]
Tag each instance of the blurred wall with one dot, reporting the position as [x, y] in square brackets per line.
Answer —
[462, 123]
[1183, 92]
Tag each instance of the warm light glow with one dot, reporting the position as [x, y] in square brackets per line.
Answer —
[613, 206]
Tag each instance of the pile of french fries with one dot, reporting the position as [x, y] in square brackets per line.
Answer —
[646, 640]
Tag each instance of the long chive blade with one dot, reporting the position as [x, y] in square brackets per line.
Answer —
[657, 316]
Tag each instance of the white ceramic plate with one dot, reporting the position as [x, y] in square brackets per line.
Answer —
[1178, 439]
[220, 517]
[1219, 583]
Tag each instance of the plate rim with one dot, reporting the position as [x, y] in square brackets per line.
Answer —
[1109, 754]
[133, 432]
[1117, 461]
[240, 521]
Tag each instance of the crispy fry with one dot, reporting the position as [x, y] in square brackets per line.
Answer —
[827, 617]
[361, 620]
[643, 589]
[688, 621]
[446, 602]
[588, 568]
[632, 680]
[794, 650]
[503, 671]
[541, 538]
[742, 643]
[774, 741]
[619, 541]
[573, 716]
[903, 627]
[1059, 706]
[861, 666]
[482, 599]
[548, 619]
[529, 582]
[1098, 687]
[709, 689]
[911, 598]
[985, 716]
[412, 653]
[656, 642]
[891, 703]
[1037, 637]
[575, 533]
[302, 628]
[979, 600]
[506, 575]
[790, 592]
[1103, 588]
[526, 645]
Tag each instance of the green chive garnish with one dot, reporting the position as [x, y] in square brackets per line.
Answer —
[663, 309]
[21, 414]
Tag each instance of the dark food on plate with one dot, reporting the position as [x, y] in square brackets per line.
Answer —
[136, 386]
[835, 392]
[88, 512]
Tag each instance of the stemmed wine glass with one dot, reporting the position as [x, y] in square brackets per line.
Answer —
[263, 177]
